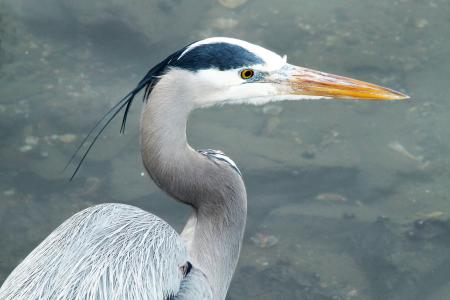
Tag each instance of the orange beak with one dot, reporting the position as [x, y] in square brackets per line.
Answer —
[307, 82]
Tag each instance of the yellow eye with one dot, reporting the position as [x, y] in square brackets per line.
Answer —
[247, 73]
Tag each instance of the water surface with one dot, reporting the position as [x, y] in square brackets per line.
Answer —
[347, 200]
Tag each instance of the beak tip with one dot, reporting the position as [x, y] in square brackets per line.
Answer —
[400, 96]
[386, 94]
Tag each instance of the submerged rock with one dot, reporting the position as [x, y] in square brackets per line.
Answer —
[331, 197]
[224, 23]
[232, 3]
[67, 138]
[263, 240]
[399, 148]
[279, 281]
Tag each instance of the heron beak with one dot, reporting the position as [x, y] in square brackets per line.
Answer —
[307, 82]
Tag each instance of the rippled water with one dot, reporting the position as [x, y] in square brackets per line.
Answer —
[347, 200]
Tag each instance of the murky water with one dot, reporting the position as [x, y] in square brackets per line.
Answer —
[347, 200]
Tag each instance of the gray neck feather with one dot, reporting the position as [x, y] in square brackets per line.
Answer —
[214, 232]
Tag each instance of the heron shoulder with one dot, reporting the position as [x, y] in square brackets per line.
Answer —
[219, 157]
[93, 255]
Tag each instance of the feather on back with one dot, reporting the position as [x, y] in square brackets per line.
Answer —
[108, 251]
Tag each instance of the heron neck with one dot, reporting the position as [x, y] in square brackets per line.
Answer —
[214, 232]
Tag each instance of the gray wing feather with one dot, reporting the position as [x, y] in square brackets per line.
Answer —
[109, 251]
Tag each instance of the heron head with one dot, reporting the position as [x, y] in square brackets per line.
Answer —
[220, 70]
[225, 70]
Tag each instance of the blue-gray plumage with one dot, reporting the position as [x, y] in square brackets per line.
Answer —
[120, 252]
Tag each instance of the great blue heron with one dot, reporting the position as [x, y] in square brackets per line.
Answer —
[117, 251]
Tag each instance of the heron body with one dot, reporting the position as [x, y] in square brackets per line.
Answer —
[116, 251]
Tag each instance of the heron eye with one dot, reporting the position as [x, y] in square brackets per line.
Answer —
[247, 73]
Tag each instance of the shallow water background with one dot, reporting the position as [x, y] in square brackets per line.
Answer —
[347, 200]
